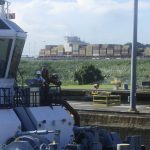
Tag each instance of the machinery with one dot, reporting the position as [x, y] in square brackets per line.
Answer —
[31, 120]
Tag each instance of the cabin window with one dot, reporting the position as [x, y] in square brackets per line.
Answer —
[19, 44]
[3, 25]
[5, 46]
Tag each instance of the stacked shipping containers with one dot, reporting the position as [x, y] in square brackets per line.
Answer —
[125, 51]
[60, 51]
[89, 51]
[110, 50]
[54, 51]
[82, 51]
[96, 50]
[47, 53]
[103, 50]
[117, 50]
[147, 52]
[75, 53]
[75, 49]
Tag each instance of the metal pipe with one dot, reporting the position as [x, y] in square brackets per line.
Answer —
[133, 60]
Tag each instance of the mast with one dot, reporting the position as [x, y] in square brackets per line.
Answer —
[4, 9]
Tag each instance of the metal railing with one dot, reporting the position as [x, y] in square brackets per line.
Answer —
[26, 97]
[5, 97]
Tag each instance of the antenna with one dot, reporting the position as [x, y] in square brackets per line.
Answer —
[4, 10]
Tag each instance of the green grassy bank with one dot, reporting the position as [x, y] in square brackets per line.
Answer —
[66, 68]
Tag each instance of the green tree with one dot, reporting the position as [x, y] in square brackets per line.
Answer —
[88, 74]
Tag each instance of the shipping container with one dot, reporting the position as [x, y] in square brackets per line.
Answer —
[110, 46]
[147, 52]
[60, 54]
[75, 53]
[104, 46]
[95, 52]
[60, 48]
[68, 53]
[75, 47]
[95, 46]
[89, 50]
[125, 50]
[82, 50]
[110, 52]
[89, 53]
[103, 52]
[126, 47]
[117, 47]
[117, 52]
[125, 55]
[54, 51]
[47, 52]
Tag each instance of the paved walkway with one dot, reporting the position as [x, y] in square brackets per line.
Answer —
[123, 108]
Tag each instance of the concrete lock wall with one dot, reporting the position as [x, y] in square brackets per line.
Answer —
[122, 123]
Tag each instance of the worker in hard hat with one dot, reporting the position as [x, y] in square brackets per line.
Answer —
[39, 79]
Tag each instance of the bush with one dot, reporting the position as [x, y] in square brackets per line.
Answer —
[88, 74]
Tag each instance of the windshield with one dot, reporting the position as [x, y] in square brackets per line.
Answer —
[3, 25]
[19, 44]
[5, 46]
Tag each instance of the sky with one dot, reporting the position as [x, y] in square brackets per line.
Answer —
[94, 21]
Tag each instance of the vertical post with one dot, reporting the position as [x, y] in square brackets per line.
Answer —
[7, 10]
[2, 9]
[133, 60]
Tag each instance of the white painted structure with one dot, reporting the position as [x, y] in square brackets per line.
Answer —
[9, 125]
[55, 118]
[11, 35]
[72, 43]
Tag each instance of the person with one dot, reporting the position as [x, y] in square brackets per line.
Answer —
[45, 89]
[45, 75]
[39, 80]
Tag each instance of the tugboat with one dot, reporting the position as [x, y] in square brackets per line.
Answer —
[29, 120]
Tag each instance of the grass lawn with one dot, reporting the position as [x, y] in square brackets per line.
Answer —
[103, 86]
